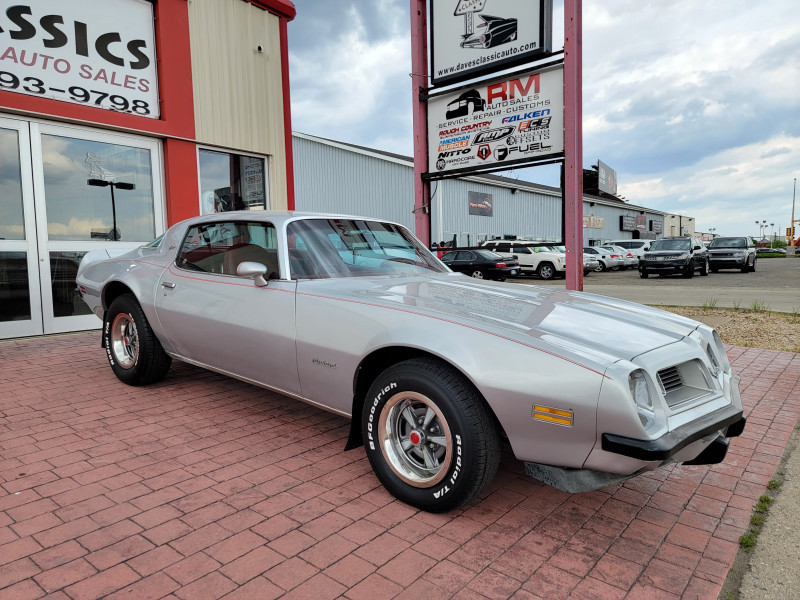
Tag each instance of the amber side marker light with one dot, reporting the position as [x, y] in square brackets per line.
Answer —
[553, 415]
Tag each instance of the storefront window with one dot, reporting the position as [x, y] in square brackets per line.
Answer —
[15, 299]
[97, 191]
[12, 226]
[231, 182]
[63, 270]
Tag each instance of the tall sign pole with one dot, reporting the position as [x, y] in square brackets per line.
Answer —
[573, 142]
[419, 78]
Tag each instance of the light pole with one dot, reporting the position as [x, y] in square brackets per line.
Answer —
[772, 236]
[711, 230]
[112, 184]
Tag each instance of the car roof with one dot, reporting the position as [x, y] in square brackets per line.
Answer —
[277, 217]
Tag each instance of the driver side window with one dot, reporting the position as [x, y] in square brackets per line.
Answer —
[220, 247]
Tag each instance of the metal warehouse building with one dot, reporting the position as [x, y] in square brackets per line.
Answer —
[333, 176]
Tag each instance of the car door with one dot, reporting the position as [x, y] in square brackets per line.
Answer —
[214, 317]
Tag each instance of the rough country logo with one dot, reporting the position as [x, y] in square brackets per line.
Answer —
[441, 164]
[484, 152]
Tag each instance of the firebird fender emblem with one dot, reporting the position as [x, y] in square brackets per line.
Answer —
[323, 363]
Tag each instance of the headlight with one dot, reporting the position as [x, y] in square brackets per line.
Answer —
[722, 356]
[712, 361]
[681, 257]
[642, 398]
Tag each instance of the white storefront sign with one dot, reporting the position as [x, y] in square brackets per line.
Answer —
[497, 122]
[473, 37]
[95, 53]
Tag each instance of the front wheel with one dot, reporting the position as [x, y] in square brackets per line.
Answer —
[133, 350]
[643, 274]
[429, 435]
[753, 268]
[477, 274]
[688, 272]
[546, 271]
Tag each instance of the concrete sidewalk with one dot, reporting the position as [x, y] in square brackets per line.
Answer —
[205, 487]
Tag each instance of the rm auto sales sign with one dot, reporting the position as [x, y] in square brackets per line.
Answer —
[520, 119]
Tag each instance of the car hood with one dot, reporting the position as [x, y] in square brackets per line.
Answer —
[597, 328]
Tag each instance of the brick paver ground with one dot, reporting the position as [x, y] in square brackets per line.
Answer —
[203, 487]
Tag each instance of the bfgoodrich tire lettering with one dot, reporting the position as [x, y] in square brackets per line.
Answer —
[133, 351]
[429, 436]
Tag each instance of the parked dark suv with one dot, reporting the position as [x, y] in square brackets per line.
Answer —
[732, 253]
[669, 256]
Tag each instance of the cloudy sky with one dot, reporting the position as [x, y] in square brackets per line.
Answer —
[695, 104]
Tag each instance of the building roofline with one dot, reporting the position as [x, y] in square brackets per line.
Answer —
[500, 180]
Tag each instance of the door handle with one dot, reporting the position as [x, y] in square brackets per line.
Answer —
[168, 284]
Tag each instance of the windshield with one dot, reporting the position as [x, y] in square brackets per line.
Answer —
[322, 248]
[659, 245]
[736, 242]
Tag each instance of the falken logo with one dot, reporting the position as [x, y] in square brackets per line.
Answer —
[492, 135]
[484, 152]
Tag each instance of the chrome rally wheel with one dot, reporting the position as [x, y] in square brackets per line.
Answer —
[430, 437]
[124, 340]
[415, 439]
[132, 348]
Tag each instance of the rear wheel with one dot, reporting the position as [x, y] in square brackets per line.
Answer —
[601, 268]
[133, 350]
[753, 268]
[429, 435]
[477, 274]
[704, 269]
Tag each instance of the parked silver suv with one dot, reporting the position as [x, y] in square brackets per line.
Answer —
[732, 253]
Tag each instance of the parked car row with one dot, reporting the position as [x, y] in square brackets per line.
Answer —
[683, 256]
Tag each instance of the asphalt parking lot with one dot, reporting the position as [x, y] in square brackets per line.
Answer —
[775, 283]
[203, 487]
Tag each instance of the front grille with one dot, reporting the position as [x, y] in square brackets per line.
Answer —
[670, 379]
[685, 384]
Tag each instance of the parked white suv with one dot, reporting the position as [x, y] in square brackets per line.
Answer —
[542, 260]
[635, 247]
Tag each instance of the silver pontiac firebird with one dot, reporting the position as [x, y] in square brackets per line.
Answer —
[356, 316]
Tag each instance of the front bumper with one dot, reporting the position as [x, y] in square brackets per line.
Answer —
[729, 420]
[728, 262]
[664, 266]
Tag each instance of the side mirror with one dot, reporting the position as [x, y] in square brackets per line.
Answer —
[253, 270]
[698, 247]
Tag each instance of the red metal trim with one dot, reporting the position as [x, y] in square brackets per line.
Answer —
[287, 116]
[419, 80]
[282, 8]
[573, 143]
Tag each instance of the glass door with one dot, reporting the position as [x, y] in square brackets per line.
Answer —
[20, 305]
[94, 191]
